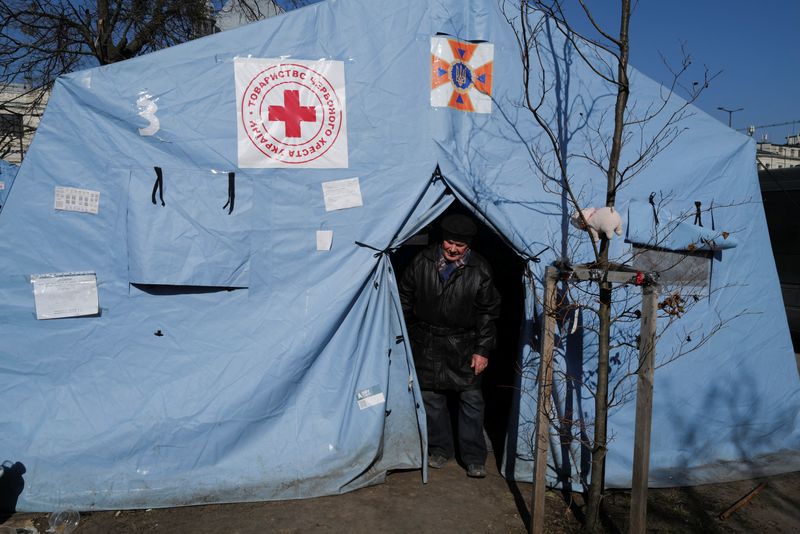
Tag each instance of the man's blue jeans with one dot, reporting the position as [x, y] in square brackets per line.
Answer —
[472, 444]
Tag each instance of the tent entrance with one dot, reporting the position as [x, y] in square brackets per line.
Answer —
[500, 378]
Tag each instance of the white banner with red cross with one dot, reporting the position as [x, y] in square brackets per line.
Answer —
[290, 113]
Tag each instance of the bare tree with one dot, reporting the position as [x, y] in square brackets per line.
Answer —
[235, 13]
[42, 39]
[548, 43]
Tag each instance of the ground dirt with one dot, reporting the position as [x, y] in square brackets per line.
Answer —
[451, 502]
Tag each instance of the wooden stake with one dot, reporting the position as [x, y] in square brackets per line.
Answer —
[644, 410]
[545, 378]
[741, 502]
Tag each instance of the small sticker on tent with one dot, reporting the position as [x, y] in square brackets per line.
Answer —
[80, 200]
[2, 185]
[147, 109]
[342, 194]
[370, 397]
[86, 80]
[324, 239]
[60, 295]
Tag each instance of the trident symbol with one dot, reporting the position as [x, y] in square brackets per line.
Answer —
[460, 72]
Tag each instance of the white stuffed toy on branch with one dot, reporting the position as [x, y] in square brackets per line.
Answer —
[601, 221]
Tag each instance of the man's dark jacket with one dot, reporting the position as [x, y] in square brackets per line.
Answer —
[449, 321]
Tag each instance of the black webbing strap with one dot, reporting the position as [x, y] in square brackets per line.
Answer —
[711, 211]
[698, 220]
[378, 251]
[652, 201]
[158, 186]
[231, 192]
[535, 258]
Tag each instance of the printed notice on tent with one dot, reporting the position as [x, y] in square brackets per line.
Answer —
[60, 295]
[342, 194]
[80, 200]
[370, 397]
[290, 113]
[2, 185]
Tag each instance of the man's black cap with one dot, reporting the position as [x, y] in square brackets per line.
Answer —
[459, 228]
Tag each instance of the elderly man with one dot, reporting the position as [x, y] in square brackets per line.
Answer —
[450, 304]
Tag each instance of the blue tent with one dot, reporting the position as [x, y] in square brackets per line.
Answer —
[232, 357]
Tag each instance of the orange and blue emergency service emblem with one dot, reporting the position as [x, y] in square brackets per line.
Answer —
[461, 74]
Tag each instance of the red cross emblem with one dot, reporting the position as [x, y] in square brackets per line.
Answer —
[291, 113]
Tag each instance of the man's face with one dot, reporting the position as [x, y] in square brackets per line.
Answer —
[453, 250]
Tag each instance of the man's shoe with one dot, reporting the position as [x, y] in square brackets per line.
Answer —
[476, 471]
[437, 461]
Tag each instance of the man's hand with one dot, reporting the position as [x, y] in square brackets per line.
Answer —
[479, 363]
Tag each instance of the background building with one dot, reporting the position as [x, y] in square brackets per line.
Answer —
[772, 156]
[21, 109]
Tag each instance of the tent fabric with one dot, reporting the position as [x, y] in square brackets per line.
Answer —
[8, 171]
[193, 240]
[233, 361]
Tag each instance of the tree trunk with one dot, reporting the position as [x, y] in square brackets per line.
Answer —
[600, 440]
[600, 445]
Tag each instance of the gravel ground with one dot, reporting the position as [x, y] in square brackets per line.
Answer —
[451, 502]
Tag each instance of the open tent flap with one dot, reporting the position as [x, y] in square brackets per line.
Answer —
[432, 203]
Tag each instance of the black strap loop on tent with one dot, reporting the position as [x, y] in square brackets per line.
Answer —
[652, 202]
[698, 220]
[379, 251]
[710, 273]
[158, 186]
[231, 192]
[535, 258]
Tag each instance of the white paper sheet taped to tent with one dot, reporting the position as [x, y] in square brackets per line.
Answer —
[370, 397]
[342, 194]
[324, 239]
[59, 295]
[74, 199]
